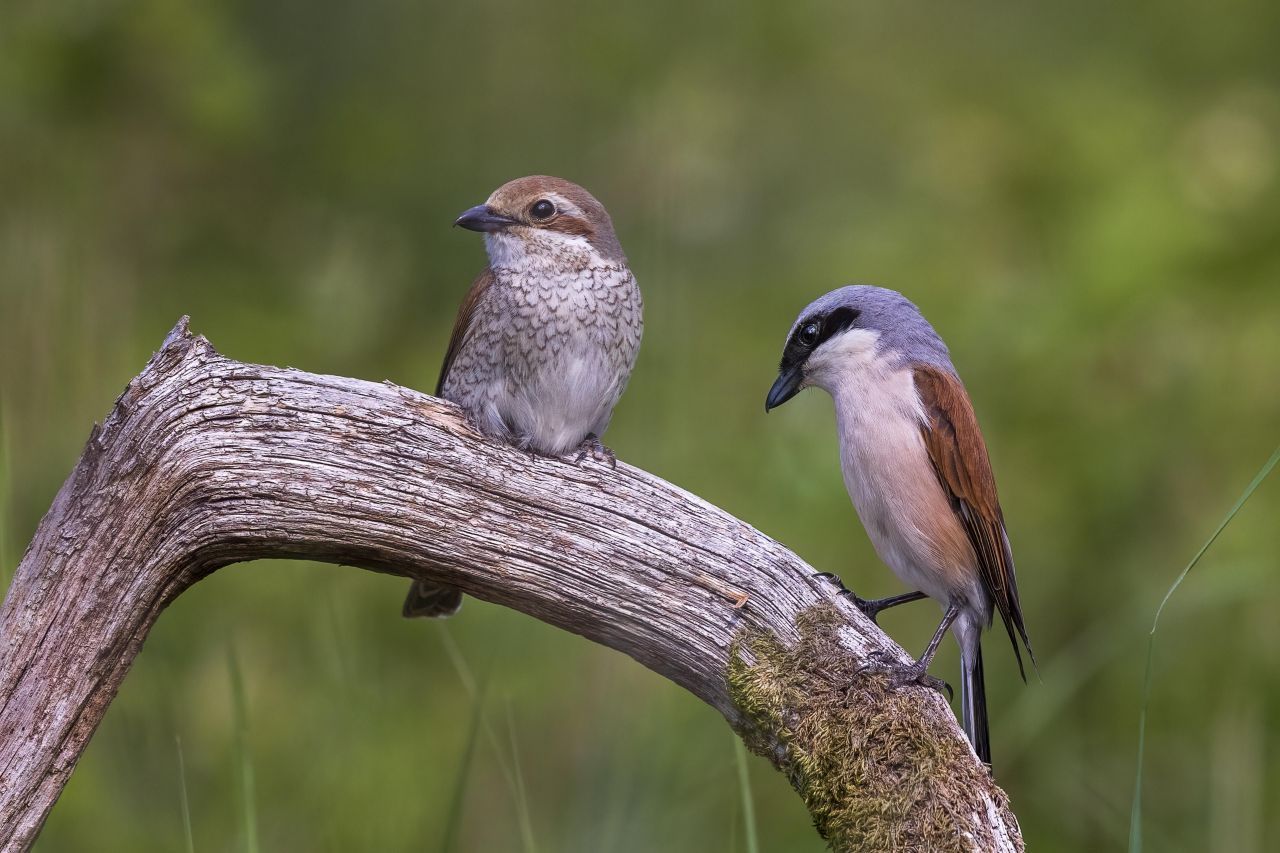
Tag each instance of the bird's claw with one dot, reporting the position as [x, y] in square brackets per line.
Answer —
[591, 446]
[868, 608]
[903, 676]
[932, 682]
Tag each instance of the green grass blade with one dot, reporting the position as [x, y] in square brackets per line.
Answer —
[186, 803]
[522, 799]
[513, 778]
[744, 787]
[454, 824]
[1135, 814]
[240, 710]
[459, 662]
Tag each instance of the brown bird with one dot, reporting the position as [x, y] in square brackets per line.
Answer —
[547, 336]
[916, 468]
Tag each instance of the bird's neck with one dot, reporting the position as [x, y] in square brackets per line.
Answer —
[543, 253]
[872, 396]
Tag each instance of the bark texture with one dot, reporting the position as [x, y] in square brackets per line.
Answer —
[206, 461]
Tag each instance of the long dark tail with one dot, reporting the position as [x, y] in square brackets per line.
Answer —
[973, 702]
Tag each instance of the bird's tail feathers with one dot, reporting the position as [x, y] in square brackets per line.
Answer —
[973, 702]
[431, 600]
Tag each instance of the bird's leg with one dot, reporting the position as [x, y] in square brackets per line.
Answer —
[592, 447]
[871, 607]
[918, 672]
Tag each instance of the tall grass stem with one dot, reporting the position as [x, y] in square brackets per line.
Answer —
[1135, 813]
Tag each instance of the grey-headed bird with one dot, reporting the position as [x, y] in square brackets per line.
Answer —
[916, 469]
[546, 338]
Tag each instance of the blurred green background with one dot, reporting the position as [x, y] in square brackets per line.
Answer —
[1082, 197]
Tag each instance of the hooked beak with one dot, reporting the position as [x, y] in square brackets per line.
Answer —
[786, 387]
[484, 218]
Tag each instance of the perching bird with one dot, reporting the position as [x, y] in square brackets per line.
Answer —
[546, 338]
[916, 469]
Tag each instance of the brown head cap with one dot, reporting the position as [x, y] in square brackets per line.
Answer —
[554, 204]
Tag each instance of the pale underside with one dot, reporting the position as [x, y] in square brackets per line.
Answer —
[551, 345]
[890, 478]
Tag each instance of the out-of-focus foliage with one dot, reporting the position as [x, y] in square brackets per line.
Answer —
[1083, 197]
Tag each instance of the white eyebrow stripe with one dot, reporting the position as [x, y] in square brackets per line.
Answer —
[563, 205]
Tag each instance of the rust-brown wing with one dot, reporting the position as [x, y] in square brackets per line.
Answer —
[462, 324]
[959, 457]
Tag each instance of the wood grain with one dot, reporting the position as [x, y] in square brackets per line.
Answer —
[206, 461]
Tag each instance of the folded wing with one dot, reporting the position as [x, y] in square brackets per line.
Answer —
[959, 457]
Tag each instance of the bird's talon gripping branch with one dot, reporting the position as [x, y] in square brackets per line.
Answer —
[870, 607]
[841, 589]
[899, 676]
[592, 446]
[918, 675]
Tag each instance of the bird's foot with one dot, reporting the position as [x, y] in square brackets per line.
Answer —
[834, 578]
[591, 446]
[900, 676]
[870, 609]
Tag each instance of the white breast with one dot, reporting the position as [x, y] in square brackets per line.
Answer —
[549, 355]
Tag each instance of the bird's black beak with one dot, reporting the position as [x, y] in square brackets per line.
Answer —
[482, 217]
[787, 386]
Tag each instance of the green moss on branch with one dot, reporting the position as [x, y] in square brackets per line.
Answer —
[875, 772]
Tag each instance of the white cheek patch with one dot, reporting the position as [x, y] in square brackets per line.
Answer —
[853, 350]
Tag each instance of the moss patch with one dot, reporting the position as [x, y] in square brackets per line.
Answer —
[875, 772]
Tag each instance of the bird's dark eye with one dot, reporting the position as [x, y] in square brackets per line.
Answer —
[809, 334]
[542, 209]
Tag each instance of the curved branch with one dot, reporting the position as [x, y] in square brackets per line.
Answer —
[206, 461]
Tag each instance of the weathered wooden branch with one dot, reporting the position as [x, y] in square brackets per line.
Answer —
[206, 461]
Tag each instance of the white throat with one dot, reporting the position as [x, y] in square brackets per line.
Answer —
[844, 359]
[523, 248]
[872, 389]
